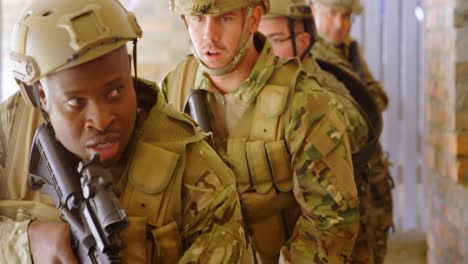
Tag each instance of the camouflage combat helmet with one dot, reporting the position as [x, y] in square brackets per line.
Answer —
[53, 35]
[289, 8]
[353, 6]
[294, 10]
[202, 7]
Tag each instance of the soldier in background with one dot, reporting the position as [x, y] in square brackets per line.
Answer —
[71, 62]
[291, 30]
[333, 19]
[285, 136]
[334, 44]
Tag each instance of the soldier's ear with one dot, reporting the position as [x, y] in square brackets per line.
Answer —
[255, 19]
[42, 95]
[303, 41]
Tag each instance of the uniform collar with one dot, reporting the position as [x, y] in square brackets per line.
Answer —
[342, 49]
[310, 65]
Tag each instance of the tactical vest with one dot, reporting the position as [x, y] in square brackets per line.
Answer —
[261, 162]
[151, 190]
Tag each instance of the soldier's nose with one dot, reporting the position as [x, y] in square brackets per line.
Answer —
[99, 117]
[210, 31]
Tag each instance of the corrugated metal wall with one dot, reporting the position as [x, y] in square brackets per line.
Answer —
[391, 36]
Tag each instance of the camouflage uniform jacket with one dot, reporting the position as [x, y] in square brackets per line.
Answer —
[357, 122]
[187, 201]
[341, 57]
[380, 217]
[318, 150]
[364, 239]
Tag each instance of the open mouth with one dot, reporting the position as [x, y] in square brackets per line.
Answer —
[106, 151]
[107, 147]
[212, 53]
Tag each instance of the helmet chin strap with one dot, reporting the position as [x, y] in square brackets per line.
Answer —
[292, 34]
[134, 54]
[308, 28]
[35, 98]
[245, 41]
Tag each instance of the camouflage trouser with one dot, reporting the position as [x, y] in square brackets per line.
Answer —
[374, 187]
[381, 185]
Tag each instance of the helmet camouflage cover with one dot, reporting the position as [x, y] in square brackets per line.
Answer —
[52, 35]
[352, 5]
[297, 9]
[200, 7]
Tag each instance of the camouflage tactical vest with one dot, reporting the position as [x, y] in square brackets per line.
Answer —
[258, 155]
[152, 190]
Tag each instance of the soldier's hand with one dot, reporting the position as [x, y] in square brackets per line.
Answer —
[50, 242]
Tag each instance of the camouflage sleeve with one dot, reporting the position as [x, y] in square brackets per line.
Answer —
[323, 179]
[356, 124]
[213, 230]
[14, 243]
[376, 90]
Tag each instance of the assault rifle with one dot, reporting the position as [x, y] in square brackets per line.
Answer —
[82, 191]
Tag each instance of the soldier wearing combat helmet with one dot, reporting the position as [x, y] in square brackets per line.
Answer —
[334, 45]
[285, 26]
[284, 135]
[71, 62]
[334, 19]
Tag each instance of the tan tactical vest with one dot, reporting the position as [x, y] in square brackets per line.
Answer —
[260, 157]
[151, 191]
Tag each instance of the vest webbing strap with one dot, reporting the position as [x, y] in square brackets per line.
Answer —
[184, 77]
